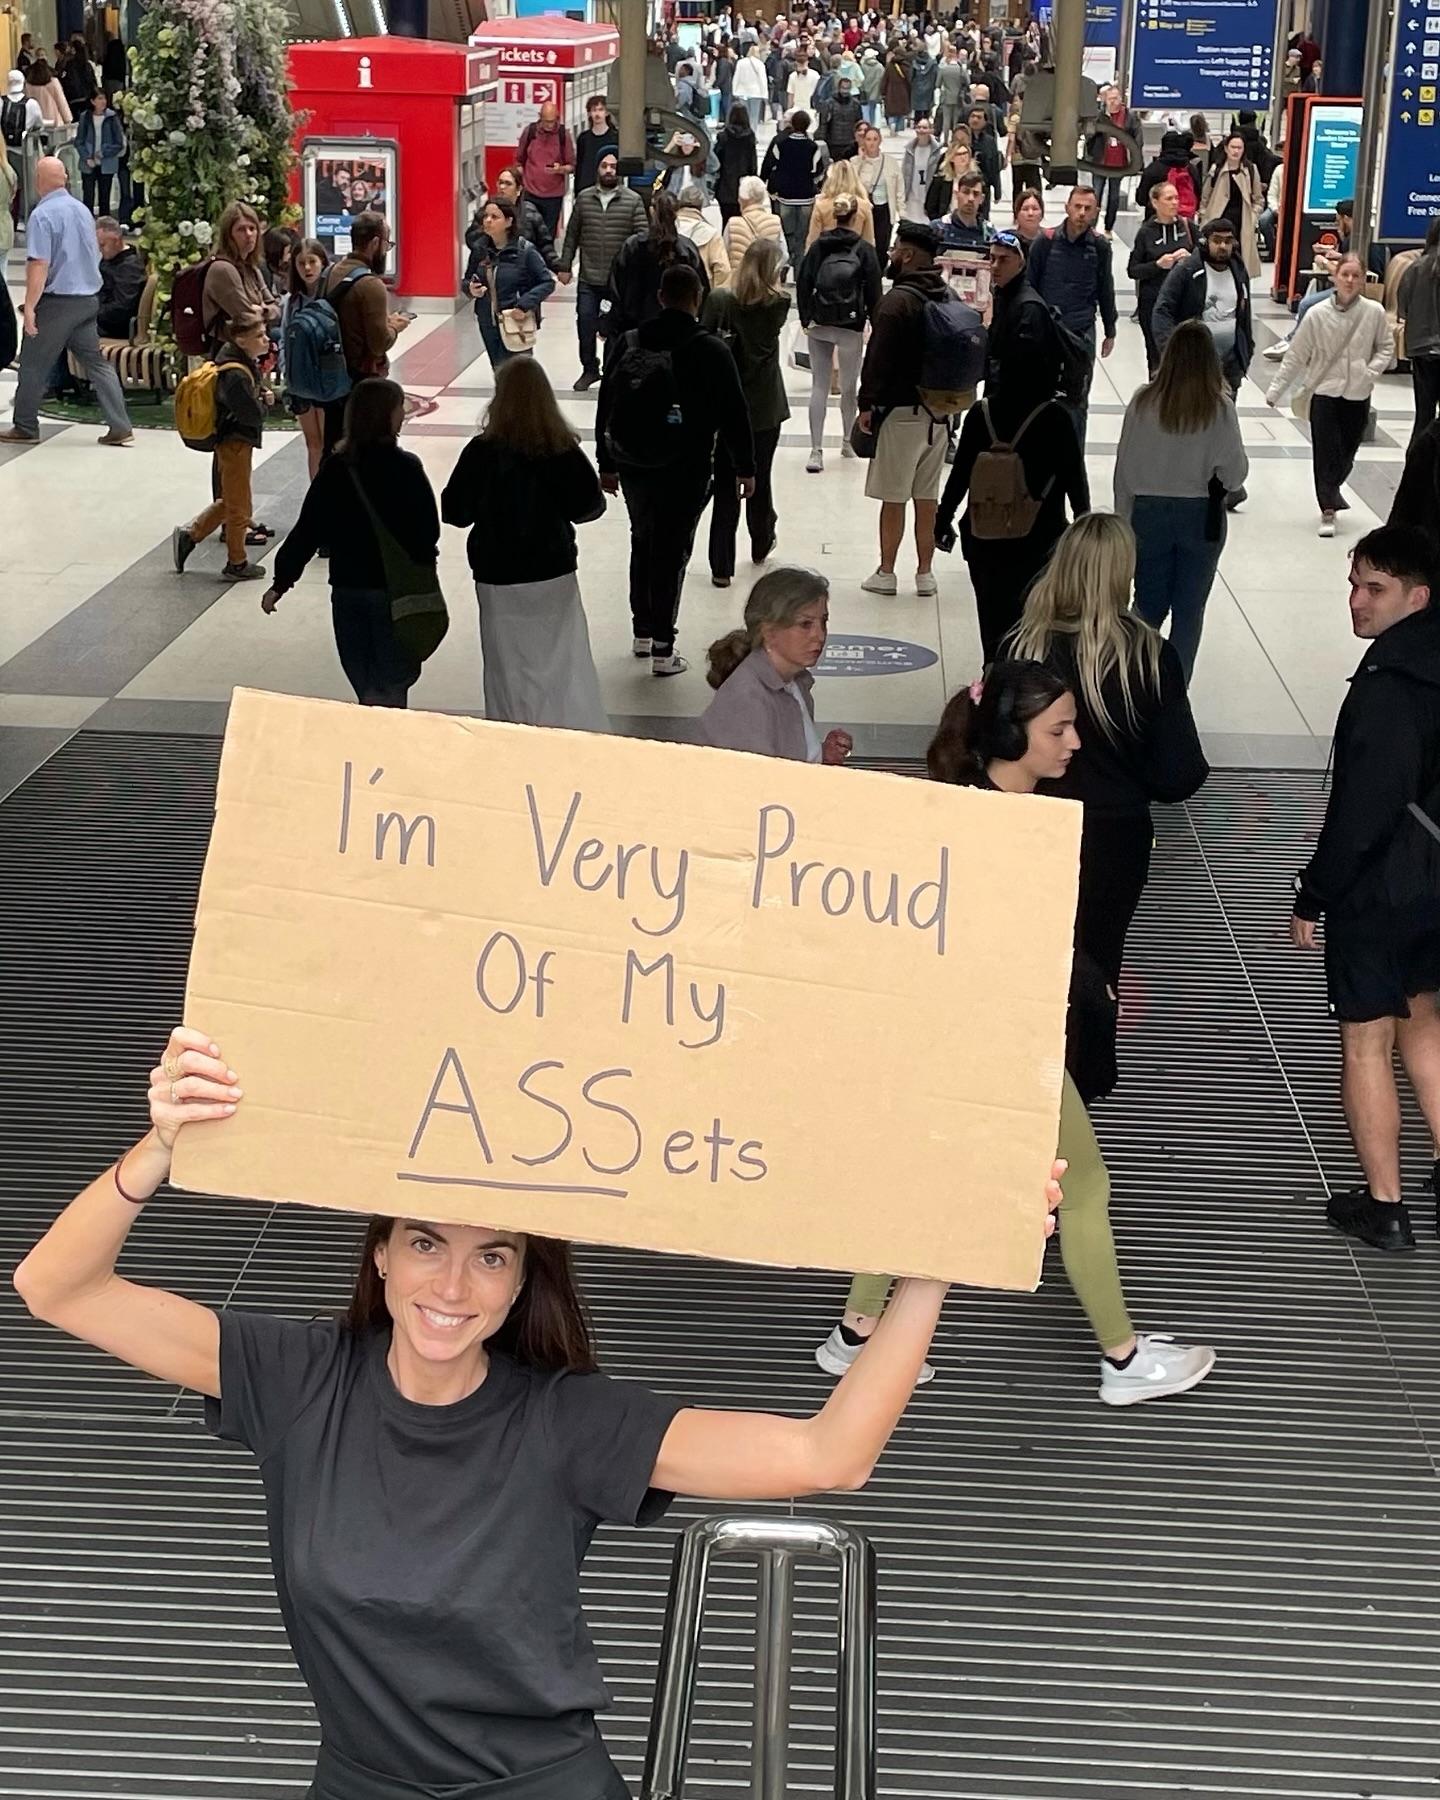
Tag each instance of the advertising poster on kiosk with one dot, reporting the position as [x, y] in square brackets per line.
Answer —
[1410, 178]
[343, 177]
[1206, 55]
[1332, 156]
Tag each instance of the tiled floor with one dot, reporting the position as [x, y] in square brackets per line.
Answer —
[97, 627]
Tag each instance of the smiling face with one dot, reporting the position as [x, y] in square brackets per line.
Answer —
[448, 1288]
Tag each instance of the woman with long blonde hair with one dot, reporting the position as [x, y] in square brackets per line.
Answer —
[522, 486]
[1137, 736]
[841, 178]
[750, 315]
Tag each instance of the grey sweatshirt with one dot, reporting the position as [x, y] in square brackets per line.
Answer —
[1178, 465]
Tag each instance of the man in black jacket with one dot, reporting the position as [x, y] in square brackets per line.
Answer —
[1022, 347]
[840, 118]
[909, 460]
[669, 389]
[1375, 875]
[1070, 269]
[1210, 285]
[122, 280]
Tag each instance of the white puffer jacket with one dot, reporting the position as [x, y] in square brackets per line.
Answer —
[1337, 351]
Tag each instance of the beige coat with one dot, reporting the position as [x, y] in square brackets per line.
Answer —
[709, 245]
[882, 175]
[751, 222]
[822, 218]
[52, 102]
[1215, 197]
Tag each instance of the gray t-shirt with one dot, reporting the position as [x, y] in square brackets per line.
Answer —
[428, 1557]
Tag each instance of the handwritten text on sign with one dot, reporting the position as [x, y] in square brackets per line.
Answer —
[633, 992]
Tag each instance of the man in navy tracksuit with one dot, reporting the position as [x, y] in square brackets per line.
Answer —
[1070, 269]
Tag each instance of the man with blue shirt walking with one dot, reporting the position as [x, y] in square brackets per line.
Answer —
[62, 299]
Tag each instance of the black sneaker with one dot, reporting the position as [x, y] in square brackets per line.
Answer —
[1380, 1224]
[246, 571]
[586, 380]
[181, 545]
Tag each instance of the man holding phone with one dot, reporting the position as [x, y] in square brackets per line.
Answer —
[546, 155]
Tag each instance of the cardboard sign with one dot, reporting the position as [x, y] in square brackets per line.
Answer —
[633, 992]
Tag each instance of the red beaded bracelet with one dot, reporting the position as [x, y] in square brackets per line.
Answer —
[134, 1199]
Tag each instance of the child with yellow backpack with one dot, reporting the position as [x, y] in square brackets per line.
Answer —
[221, 407]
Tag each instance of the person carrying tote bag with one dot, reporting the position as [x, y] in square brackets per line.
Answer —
[1339, 350]
[374, 508]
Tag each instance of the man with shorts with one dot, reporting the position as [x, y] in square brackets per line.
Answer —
[909, 460]
[1375, 875]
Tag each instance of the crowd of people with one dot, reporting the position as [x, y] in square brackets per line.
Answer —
[967, 399]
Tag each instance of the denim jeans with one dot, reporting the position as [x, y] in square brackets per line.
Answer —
[1175, 567]
[587, 319]
[1107, 193]
[756, 109]
[490, 335]
[795, 223]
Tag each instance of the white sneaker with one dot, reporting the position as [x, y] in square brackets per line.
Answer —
[815, 462]
[847, 449]
[1327, 525]
[1276, 352]
[668, 665]
[881, 582]
[1159, 1367]
[836, 1357]
[926, 586]
[640, 647]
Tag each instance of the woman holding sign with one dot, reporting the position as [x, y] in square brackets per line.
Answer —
[1009, 735]
[436, 1463]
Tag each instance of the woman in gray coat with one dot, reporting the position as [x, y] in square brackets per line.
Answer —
[764, 700]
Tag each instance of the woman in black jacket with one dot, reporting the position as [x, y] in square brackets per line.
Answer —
[640, 262]
[522, 486]
[509, 185]
[735, 152]
[1137, 736]
[369, 477]
[1162, 241]
[1002, 568]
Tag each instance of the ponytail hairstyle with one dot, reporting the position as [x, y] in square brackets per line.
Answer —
[777, 598]
[548, 1327]
[664, 233]
[986, 722]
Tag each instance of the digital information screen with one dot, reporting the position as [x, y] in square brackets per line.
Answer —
[1332, 156]
[1209, 55]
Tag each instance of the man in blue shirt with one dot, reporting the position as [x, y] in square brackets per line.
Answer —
[1070, 269]
[62, 299]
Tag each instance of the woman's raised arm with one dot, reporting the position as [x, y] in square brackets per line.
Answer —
[69, 1278]
[764, 1456]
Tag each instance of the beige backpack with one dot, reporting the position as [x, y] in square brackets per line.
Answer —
[1000, 504]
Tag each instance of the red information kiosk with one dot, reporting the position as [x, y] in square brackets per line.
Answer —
[397, 125]
[546, 58]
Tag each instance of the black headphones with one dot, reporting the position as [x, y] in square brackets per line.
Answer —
[1008, 740]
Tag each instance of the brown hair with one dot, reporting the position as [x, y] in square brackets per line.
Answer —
[224, 240]
[523, 415]
[1189, 387]
[370, 416]
[974, 733]
[547, 1328]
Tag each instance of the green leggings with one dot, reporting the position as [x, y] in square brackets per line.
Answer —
[1087, 1247]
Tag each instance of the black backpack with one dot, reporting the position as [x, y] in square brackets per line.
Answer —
[645, 418]
[1076, 361]
[840, 288]
[12, 121]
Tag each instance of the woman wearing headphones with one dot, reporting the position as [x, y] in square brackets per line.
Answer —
[436, 1463]
[1008, 736]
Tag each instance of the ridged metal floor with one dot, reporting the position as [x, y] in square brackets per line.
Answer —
[1230, 1594]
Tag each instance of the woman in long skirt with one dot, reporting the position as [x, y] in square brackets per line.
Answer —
[522, 486]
